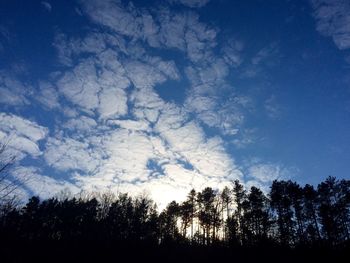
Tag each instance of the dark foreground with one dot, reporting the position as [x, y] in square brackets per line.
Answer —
[105, 252]
[291, 224]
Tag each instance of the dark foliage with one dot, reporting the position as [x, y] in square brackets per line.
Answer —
[291, 223]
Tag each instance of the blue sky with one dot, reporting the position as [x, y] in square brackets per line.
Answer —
[159, 97]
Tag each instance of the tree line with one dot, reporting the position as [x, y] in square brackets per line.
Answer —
[289, 215]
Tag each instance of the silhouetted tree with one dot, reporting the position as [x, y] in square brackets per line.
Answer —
[295, 192]
[256, 216]
[207, 214]
[169, 220]
[230, 219]
[186, 212]
[118, 223]
[191, 200]
[239, 195]
[8, 184]
[334, 209]
[281, 202]
[226, 200]
[310, 212]
[233, 237]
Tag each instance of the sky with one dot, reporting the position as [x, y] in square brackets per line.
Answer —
[159, 97]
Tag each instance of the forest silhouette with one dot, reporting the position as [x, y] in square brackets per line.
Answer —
[289, 223]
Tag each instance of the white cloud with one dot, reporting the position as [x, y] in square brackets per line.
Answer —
[123, 154]
[164, 29]
[112, 14]
[32, 182]
[127, 154]
[207, 156]
[142, 75]
[97, 85]
[200, 39]
[205, 97]
[63, 49]
[272, 108]
[232, 51]
[224, 114]
[48, 95]
[22, 127]
[131, 125]
[150, 30]
[81, 85]
[69, 112]
[70, 154]
[81, 124]
[168, 68]
[262, 174]
[172, 32]
[267, 55]
[70, 48]
[126, 168]
[113, 102]
[117, 125]
[191, 3]
[177, 182]
[21, 146]
[5, 33]
[127, 150]
[12, 91]
[22, 135]
[333, 20]
[147, 104]
[265, 172]
[244, 138]
[11, 97]
[47, 6]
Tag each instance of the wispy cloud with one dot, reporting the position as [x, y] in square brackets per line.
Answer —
[333, 20]
[35, 183]
[21, 135]
[112, 129]
[12, 91]
[272, 108]
[190, 3]
[232, 51]
[122, 135]
[70, 154]
[262, 174]
[5, 38]
[48, 95]
[47, 6]
[270, 51]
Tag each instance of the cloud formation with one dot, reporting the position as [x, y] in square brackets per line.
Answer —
[13, 92]
[333, 20]
[21, 135]
[190, 3]
[33, 182]
[47, 6]
[111, 127]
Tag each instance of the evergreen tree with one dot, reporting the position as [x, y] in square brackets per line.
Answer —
[310, 212]
[206, 212]
[281, 203]
[256, 216]
[226, 200]
[239, 195]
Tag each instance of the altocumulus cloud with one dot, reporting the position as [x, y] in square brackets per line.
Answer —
[113, 130]
[333, 20]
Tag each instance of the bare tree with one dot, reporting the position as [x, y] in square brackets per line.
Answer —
[8, 183]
